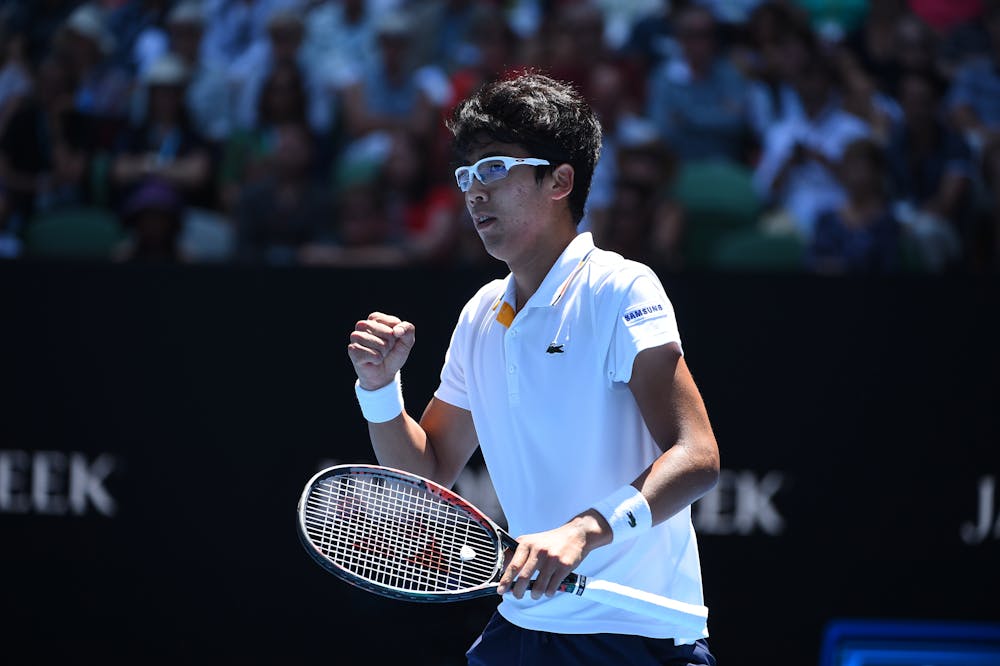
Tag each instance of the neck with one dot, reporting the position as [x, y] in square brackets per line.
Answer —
[530, 271]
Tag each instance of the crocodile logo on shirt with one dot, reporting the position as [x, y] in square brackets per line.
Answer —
[554, 349]
[631, 519]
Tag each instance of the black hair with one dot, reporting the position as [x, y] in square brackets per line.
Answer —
[548, 118]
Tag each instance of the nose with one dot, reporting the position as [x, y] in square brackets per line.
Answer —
[476, 194]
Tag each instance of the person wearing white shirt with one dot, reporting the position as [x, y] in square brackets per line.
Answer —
[569, 375]
[796, 170]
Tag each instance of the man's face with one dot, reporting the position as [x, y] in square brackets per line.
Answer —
[697, 37]
[511, 215]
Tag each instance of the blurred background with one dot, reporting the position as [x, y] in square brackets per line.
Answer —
[845, 136]
[199, 199]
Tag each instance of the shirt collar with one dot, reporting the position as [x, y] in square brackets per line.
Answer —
[557, 280]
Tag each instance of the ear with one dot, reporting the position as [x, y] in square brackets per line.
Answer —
[562, 181]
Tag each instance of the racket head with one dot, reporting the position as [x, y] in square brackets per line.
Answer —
[399, 535]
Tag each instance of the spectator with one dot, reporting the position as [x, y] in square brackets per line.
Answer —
[651, 39]
[494, 45]
[763, 56]
[932, 169]
[731, 13]
[615, 107]
[102, 87]
[46, 148]
[207, 93]
[916, 47]
[339, 37]
[207, 99]
[248, 154]
[700, 104]
[165, 146]
[575, 43]
[235, 26]
[389, 95]
[153, 214]
[785, 53]
[15, 75]
[283, 46]
[139, 35]
[797, 169]
[975, 95]
[945, 15]
[427, 209]
[364, 233]
[39, 21]
[966, 42]
[279, 216]
[444, 37]
[642, 221]
[861, 235]
[874, 43]
[865, 95]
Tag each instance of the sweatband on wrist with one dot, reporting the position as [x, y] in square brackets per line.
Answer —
[627, 512]
[383, 404]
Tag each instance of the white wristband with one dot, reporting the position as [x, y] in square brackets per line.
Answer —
[383, 404]
[627, 512]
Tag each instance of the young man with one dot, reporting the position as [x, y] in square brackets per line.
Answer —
[570, 377]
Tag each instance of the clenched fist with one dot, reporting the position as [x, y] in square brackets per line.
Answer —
[379, 347]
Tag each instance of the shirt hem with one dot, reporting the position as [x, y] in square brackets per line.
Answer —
[628, 628]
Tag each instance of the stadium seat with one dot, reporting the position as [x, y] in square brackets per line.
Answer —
[73, 233]
[718, 198]
[752, 250]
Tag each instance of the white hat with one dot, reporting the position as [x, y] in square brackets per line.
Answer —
[284, 17]
[86, 20]
[167, 70]
[186, 11]
[393, 23]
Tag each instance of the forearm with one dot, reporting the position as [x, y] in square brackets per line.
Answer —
[680, 476]
[403, 444]
[675, 480]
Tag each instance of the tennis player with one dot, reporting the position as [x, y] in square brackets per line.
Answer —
[570, 376]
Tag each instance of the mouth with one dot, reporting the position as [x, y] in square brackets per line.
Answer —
[483, 220]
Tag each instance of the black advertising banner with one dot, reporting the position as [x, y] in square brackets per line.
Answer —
[157, 426]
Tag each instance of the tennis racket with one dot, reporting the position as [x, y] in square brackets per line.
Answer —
[403, 536]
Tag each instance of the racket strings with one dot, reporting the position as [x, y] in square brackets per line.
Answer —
[398, 535]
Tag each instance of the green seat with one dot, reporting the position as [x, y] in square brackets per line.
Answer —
[73, 233]
[718, 198]
[761, 252]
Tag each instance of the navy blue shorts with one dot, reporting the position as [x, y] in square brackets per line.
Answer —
[505, 644]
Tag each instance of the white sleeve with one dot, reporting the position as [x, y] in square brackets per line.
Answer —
[452, 388]
[645, 319]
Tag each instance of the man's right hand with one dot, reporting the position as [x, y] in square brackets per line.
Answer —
[379, 347]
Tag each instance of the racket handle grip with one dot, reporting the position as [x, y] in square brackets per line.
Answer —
[573, 583]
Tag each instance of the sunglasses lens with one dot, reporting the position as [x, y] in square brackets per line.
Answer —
[464, 178]
[491, 170]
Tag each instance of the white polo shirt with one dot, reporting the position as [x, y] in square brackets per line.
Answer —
[560, 430]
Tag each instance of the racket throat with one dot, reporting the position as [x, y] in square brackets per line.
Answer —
[574, 584]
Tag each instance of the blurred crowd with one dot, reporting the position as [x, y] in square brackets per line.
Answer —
[836, 136]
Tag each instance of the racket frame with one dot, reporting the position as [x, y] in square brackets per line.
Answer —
[682, 615]
[501, 539]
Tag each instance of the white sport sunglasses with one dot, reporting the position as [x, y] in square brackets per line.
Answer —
[491, 169]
